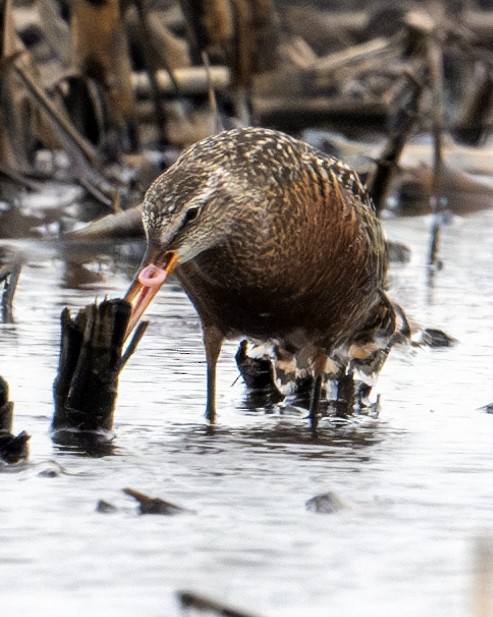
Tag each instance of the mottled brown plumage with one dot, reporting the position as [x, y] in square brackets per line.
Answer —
[277, 242]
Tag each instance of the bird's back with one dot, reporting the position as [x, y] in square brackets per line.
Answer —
[305, 257]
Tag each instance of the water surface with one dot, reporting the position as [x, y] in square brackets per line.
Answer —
[419, 476]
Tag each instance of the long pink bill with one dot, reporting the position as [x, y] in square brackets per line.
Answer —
[146, 284]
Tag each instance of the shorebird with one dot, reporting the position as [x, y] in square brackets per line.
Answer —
[273, 240]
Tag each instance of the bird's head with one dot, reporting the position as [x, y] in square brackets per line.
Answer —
[186, 211]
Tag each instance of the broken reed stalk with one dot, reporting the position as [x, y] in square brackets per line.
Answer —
[471, 126]
[151, 68]
[81, 153]
[402, 125]
[9, 276]
[434, 57]
[242, 61]
[211, 94]
[91, 359]
[17, 177]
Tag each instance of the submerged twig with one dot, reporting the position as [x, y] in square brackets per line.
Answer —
[134, 341]
[190, 599]
[154, 505]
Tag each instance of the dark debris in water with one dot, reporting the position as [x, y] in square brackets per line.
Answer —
[105, 507]
[51, 470]
[398, 252]
[487, 408]
[435, 338]
[327, 503]
[155, 505]
[13, 448]
[256, 372]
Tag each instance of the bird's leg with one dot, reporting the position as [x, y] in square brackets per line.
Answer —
[315, 401]
[213, 340]
[318, 363]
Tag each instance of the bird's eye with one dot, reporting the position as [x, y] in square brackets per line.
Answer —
[190, 215]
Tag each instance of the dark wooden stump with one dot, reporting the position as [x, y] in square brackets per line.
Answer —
[91, 359]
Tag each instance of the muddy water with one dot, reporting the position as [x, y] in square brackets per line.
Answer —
[418, 479]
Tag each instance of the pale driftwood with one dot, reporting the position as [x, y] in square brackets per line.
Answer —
[463, 193]
[190, 80]
[477, 160]
[473, 160]
[321, 66]
[9, 42]
[123, 224]
[335, 24]
[323, 29]
[299, 52]
[481, 23]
